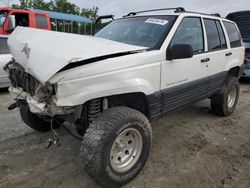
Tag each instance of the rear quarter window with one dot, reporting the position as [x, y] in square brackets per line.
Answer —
[41, 21]
[233, 34]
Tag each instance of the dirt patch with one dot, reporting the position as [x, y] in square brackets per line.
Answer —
[191, 148]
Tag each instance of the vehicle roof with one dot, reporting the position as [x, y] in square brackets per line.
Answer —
[63, 16]
[5, 8]
[183, 14]
[19, 10]
[53, 15]
[239, 12]
[177, 11]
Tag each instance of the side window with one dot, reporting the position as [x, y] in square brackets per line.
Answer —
[4, 49]
[215, 37]
[190, 32]
[22, 19]
[233, 34]
[222, 35]
[41, 21]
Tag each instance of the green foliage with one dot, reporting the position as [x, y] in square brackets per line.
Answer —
[40, 4]
[66, 7]
[90, 13]
[63, 6]
[25, 4]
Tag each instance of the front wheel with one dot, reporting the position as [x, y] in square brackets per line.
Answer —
[36, 122]
[116, 146]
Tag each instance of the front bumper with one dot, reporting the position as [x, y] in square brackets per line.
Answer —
[39, 108]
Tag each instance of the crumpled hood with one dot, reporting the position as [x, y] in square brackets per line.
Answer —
[43, 53]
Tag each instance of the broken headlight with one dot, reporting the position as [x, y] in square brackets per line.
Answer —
[44, 92]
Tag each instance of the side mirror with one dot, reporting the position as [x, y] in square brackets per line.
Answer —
[181, 51]
[12, 24]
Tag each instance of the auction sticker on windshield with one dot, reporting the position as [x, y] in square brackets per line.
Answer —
[156, 21]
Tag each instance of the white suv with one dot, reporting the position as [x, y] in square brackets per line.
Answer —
[5, 57]
[137, 68]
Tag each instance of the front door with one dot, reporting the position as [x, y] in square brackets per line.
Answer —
[185, 80]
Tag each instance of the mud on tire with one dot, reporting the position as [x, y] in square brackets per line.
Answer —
[34, 121]
[225, 102]
[99, 146]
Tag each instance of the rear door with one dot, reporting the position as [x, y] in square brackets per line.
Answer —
[235, 43]
[185, 80]
[217, 54]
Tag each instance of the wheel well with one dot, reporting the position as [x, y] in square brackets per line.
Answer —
[137, 101]
[93, 108]
[235, 72]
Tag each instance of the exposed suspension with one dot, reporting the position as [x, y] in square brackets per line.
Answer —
[94, 109]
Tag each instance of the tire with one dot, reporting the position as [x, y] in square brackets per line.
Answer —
[34, 121]
[99, 153]
[81, 128]
[225, 102]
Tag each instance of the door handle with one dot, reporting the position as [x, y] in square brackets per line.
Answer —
[229, 54]
[205, 60]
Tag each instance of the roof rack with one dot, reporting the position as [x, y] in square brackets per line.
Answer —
[215, 14]
[178, 9]
[104, 17]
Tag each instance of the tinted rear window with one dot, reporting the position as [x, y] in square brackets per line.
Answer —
[233, 34]
[41, 21]
[221, 34]
[213, 37]
[4, 49]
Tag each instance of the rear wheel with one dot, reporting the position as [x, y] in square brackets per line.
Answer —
[116, 146]
[34, 121]
[225, 102]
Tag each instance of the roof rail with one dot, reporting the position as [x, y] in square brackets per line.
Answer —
[216, 14]
[177, 9]
[104, 17]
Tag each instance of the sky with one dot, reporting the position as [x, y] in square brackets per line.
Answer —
[122, 7]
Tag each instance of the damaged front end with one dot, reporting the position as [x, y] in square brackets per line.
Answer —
[41, 98]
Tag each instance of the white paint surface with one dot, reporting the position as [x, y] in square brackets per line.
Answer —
[43, 53]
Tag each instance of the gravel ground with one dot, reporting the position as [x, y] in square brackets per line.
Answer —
[191, 148]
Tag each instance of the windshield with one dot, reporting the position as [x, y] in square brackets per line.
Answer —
[3, 16]
[140, 31]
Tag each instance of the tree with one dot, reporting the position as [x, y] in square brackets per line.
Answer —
[40, 4]
[25, 4]
[65, 6]
[90, 13]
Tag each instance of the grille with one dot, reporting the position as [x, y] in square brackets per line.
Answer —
[19, 78]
